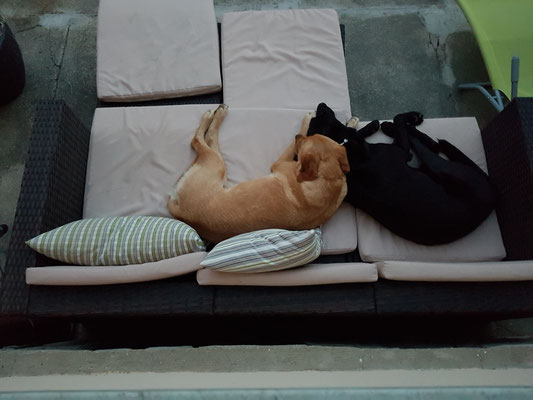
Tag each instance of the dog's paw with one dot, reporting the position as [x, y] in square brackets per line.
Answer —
[414, 118]
[388, 128]
[207, 117]
[373, 126]
[221, 111]
[307, 119]
[352, 122]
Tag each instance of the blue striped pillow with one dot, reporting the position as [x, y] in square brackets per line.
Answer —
[118, 240]
[265, 250]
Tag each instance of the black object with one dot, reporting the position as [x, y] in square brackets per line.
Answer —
[12, 73]
[508, 142]
[437, 202]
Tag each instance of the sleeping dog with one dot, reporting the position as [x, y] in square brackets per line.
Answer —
[436, 203]
[300, 194]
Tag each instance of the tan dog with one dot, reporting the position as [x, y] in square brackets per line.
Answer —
[297, 195]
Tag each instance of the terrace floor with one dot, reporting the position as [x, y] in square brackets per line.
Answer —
[401, 55]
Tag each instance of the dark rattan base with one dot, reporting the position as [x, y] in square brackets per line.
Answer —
[52, 195]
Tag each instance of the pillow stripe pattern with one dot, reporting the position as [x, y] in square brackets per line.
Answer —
[118, 240]
[265, 250]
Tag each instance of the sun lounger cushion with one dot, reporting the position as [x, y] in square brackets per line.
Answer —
[149, 50]
[456, 272]
[137, 154]
[118, 240]
[284, 59]
[108, 275]
[311, 274]
[376, 243]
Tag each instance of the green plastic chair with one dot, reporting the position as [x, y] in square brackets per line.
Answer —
[504, 32]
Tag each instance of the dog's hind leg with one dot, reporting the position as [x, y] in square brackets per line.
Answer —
[397, 130]
[209, 158]
[424, 139]
[434, 165]
[454, 154]
[389, 129]
[442, 146]
[198, 141]
[211, 136]
[412, 117]
[304, 128]
[202, 150]
[368, 129]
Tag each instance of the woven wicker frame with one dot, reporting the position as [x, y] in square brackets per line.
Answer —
[52, 195]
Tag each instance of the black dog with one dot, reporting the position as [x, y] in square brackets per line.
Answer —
[438, 202]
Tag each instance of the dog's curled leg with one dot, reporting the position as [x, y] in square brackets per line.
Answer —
[198, 141]
[305, 123]
[211, 136]
[369, 129]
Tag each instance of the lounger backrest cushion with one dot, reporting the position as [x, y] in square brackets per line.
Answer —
[284, 59]
[156, 49]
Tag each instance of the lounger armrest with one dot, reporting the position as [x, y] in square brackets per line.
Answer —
[508, 142]
[51, 194]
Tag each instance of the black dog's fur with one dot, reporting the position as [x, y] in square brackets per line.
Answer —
[438, 202]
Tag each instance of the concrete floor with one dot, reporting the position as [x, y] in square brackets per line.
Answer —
[401, 55]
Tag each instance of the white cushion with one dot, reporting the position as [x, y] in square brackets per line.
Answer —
[108, 275]
[311, 274]
[156, 49]
[456, 272]
[284, 59]
[137, 154]
[376, 243]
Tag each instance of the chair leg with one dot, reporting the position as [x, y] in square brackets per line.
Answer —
[495, 99]
[515, 66]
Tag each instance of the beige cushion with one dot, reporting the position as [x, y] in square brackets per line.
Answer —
[284, 59]
[107, 275]
[376, 243]
[156, 49]
[311, 274]
[137, 154]
[460, 272]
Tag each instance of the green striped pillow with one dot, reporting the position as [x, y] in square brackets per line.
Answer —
[118, 241]
[265, 250]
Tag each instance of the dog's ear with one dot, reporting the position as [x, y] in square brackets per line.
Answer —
[343, 159]
[307, 168]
